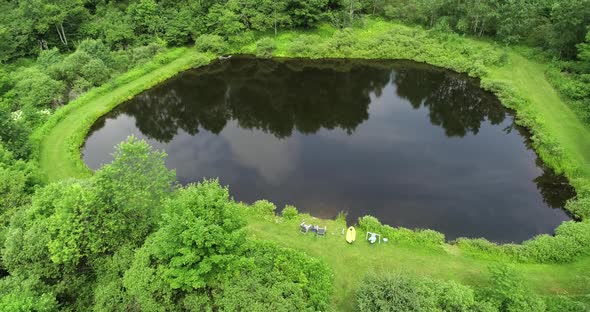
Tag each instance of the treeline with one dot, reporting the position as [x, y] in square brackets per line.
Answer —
[103, 38]
[30, 26]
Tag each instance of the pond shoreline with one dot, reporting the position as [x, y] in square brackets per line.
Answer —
[58, 142]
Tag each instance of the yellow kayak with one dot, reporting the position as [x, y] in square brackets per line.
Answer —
[351, 235]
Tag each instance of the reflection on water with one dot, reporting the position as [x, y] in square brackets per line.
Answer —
[412, 145]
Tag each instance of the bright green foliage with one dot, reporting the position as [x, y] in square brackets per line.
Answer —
[109, 292]
[388, 293]
[402, 235]
[271, 278]
[121, 203]
[265, 47]
[36, 89]
[264, 207]
[14, 134]
[17, 295]
[289, 212]
[510, 292]
[200, 233]
[111, 25]
[580, 208]
[401, 292]
[223, 21]
[211, 43]
[572, 239]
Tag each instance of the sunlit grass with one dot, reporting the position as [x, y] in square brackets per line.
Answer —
[350, 262]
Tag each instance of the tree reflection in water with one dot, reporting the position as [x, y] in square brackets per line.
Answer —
[251, 114]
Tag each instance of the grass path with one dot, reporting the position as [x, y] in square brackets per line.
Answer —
[351, 262]
[528, 78]
[58, 145]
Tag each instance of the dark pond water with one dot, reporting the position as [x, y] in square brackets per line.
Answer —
[413, 145]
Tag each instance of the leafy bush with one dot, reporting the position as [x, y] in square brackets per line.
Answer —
[402, 235]
[381, 293]
[571, 240]
[305, 46]
[400, 292]
[18, 295]
[580, 207]
[510, 293]
[14, 135]
[370, 224]
[564, 304]
[263, 207]
[289, 212]
[211, 43]
[34, 88]
[270, 277]
[265, 47]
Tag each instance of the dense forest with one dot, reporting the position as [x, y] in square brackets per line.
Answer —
[130, 238]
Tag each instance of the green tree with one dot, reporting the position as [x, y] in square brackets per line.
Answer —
[569, 22]
[223, 20]
[33, 88]
[145, 18]
[509, 290]
[200, 234]
[584, 49]
[72, 226]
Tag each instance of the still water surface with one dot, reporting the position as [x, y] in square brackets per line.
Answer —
[411, 144]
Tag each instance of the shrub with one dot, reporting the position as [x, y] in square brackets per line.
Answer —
[401, 292]
[388, 293]
[509, 291]
[571, 240]
[265, 47]
[290, 212]
[480, 247]
[564, 304]
[211, 43]
[580, 207]
[276, 278]
[370, 224]
[264, 207]
[304, 46]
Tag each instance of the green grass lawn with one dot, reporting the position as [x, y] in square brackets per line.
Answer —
[351, 262]
[528, 78]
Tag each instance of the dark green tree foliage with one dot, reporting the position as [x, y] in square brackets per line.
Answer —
[200, 259]
[70, 226]
[14, 135]
[509, 292]
[200, 235]
[271, 278]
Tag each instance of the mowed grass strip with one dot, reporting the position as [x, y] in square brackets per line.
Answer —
[59, 150]
[528, 79]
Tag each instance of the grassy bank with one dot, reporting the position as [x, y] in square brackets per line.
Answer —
[447, 262]
[57, 143]
[559, 137]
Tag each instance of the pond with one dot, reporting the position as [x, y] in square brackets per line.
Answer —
[413, 145]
